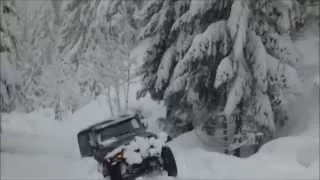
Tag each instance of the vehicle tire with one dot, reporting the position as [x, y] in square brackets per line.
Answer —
[169, 162]
[105, 169]
[115, 173]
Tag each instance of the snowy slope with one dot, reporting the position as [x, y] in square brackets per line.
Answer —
[292, 157]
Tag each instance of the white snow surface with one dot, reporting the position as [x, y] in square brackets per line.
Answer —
[34, 146]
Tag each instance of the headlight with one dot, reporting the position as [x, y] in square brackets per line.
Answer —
[120, 156]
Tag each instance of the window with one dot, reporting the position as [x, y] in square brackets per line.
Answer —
[135, 124]
[119, 129]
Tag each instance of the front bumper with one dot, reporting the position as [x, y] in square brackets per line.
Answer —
[148, 166]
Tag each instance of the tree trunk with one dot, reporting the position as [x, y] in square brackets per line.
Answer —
[225, 133]
[225, 124]
[57, 110]
[237, 152]
[110, 101]
[127, 93]
[118, 101]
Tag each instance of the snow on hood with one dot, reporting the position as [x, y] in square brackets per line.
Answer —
[146, 146]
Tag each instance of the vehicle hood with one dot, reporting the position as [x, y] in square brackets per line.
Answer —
[123, 140]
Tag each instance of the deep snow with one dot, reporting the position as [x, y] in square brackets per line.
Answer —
[34, 146]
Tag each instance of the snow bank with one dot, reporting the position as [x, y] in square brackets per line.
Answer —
[284, 158]
[295, 149]
[38, 122]
[35, 146]
[46, 167]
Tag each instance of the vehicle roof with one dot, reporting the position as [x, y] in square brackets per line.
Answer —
[109, 122]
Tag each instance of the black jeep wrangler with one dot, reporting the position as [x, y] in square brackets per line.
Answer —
[112, 143]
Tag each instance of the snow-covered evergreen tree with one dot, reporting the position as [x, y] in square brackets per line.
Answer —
[56, 5]
[264, 61]
[114, 38]
[40, 46]
[235, 58]
[10, 55]
[96, 38]
[170, 30]
[79, 17]
[39, 54]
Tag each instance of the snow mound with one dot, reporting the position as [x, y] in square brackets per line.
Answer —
[37, 122]
[284, 158]
[300, 149]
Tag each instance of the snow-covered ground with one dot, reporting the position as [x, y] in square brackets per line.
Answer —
[34, 146]
[45, 156]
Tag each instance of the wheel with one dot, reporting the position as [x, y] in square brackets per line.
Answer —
[169, 163]
[118, 172]
[104, 169]
[115, 172]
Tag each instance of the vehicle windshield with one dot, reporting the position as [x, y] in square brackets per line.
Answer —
[120, 129]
